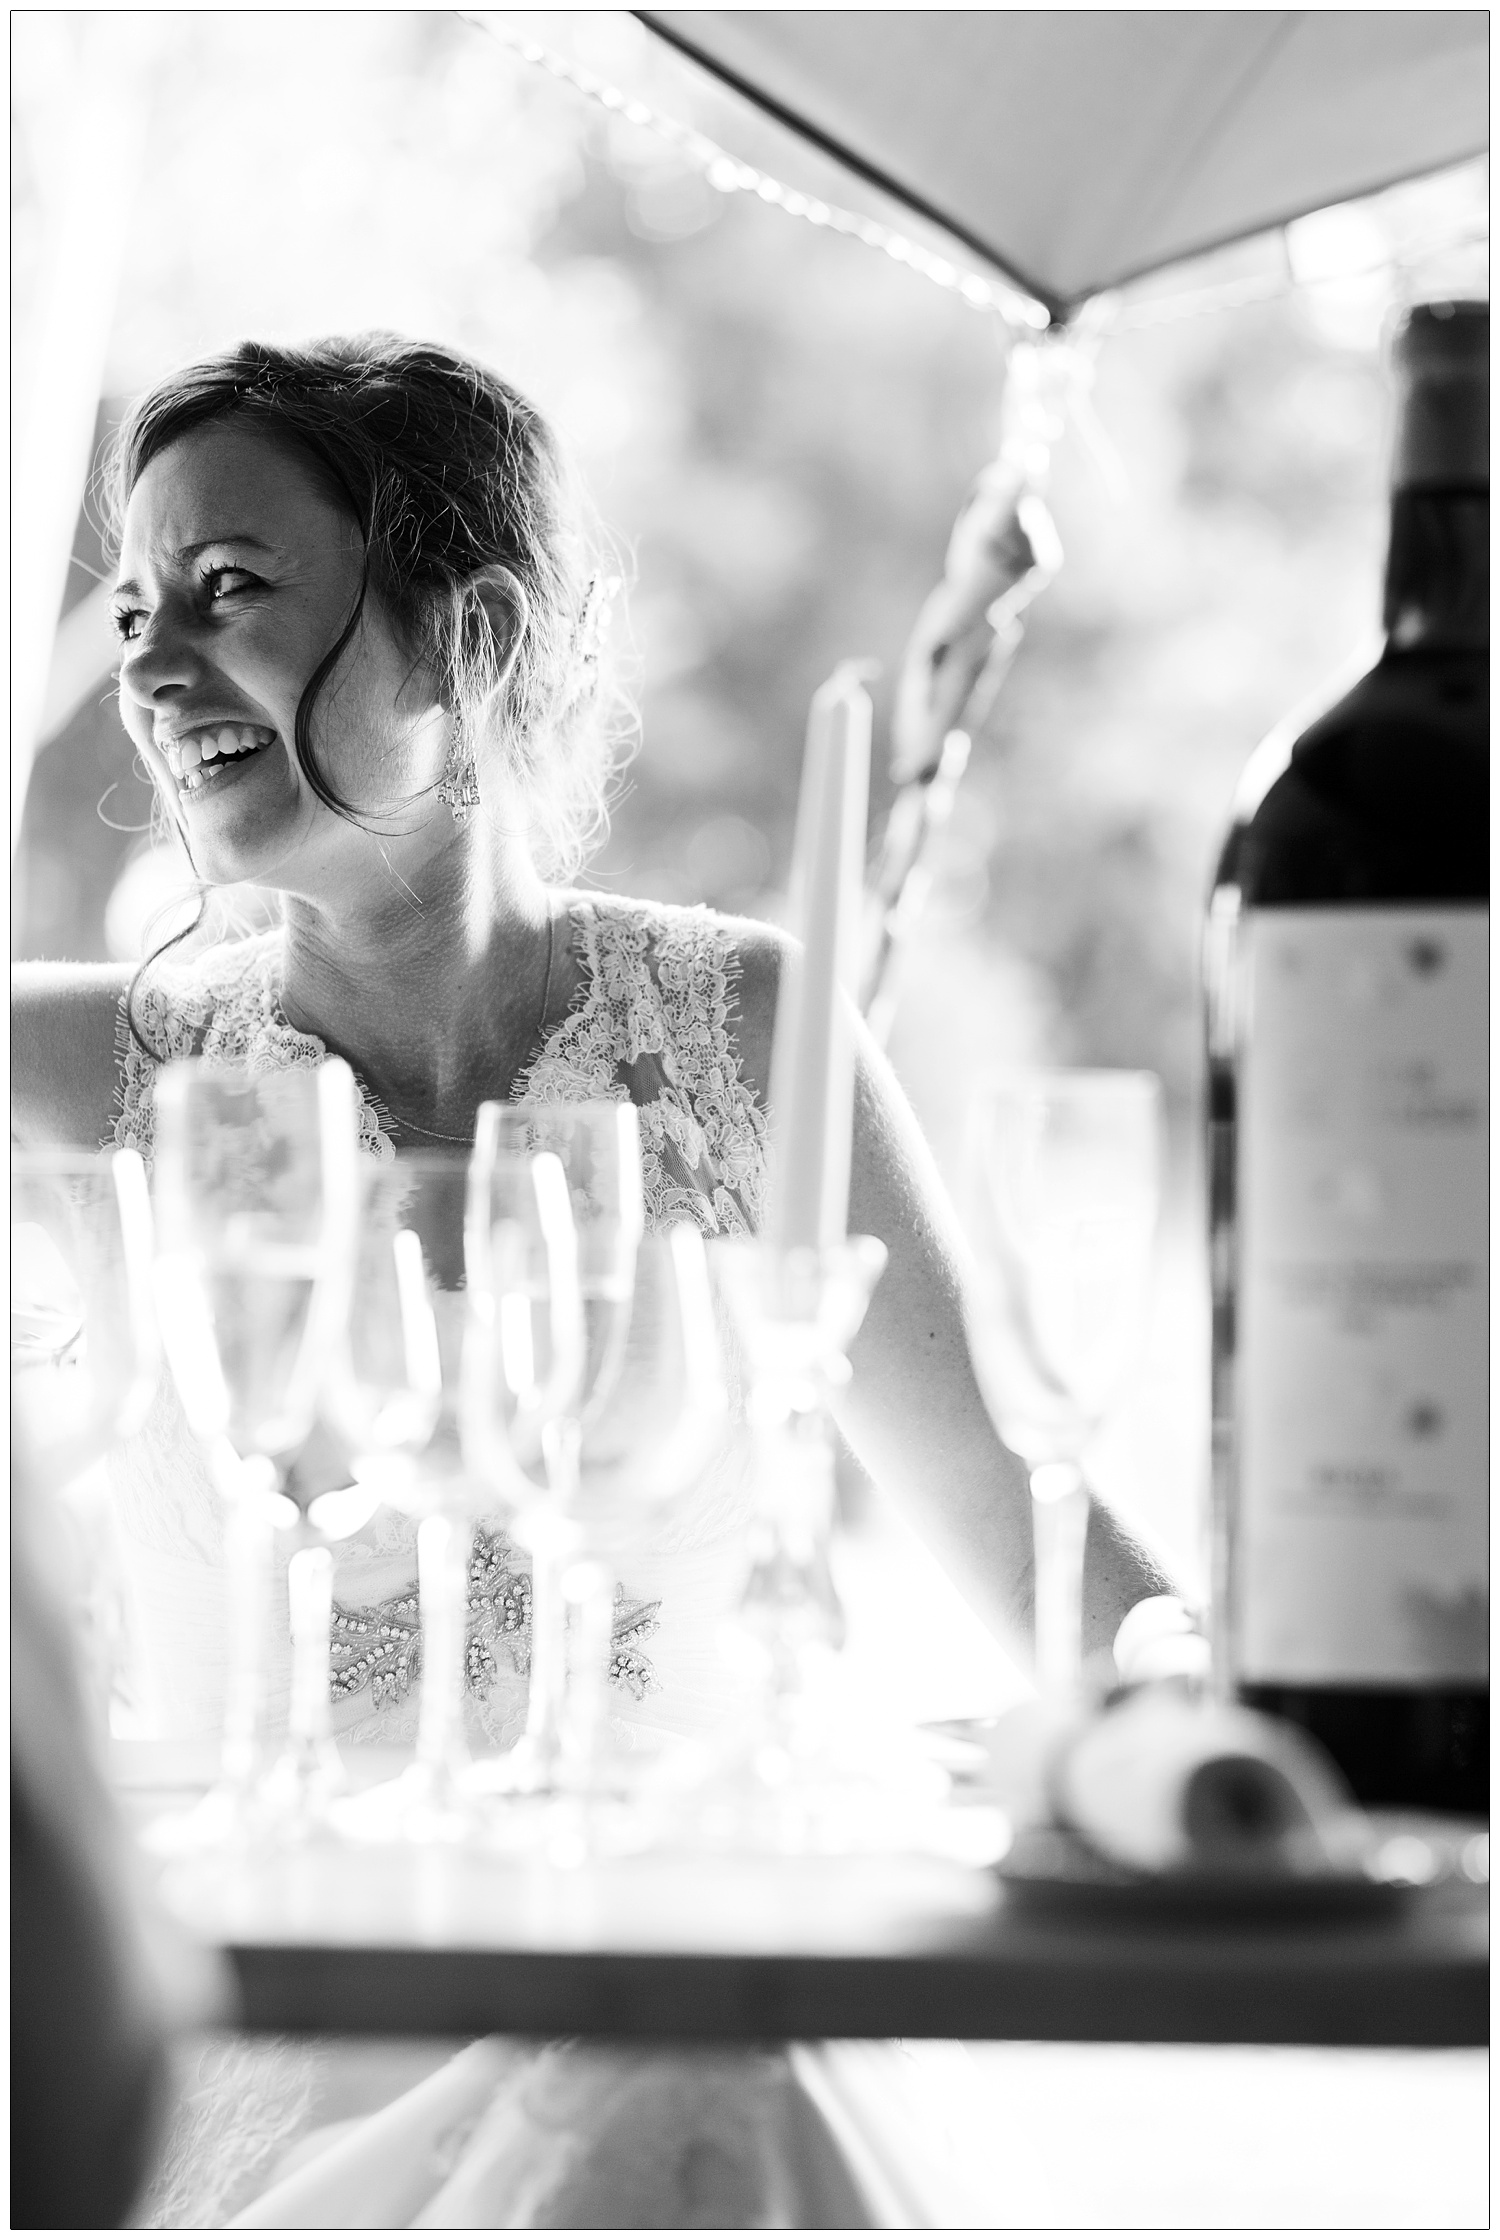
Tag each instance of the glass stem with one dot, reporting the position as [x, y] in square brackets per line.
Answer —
[249, 1535]
[550, 1537]
[442, 1581]
[549, 1644]
[1059, 1517]
[309, 1585]
[590, 1608]
[790, 1599]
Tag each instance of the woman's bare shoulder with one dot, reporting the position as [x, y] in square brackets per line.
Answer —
[64, 1020]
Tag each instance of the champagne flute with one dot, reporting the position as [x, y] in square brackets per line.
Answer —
[1065, 1170]
[83, 1340]
[393, 1396]
[598, 1144]
[525, 1351]
[256, 1210]
[645, 1442]
[84, 1353]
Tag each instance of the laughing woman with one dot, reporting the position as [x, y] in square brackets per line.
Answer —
[360, 655]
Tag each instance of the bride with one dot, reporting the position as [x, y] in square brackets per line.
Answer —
[360, 656]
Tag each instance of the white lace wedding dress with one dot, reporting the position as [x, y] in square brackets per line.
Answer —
[496, 2135]
[649, 1020]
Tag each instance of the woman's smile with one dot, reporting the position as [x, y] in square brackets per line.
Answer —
[201, 755]
[238, 575]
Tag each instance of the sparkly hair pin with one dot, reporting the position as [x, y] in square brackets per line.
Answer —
[592, 626]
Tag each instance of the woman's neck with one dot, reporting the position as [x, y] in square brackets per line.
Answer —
[434, 994]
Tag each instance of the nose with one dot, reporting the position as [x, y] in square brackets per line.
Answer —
[161, 661]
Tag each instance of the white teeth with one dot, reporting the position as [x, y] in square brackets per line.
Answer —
[208, 748]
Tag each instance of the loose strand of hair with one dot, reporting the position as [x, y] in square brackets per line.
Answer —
[154, 958]
[311, 691]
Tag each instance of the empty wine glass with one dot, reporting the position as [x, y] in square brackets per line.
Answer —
[256, 1216]
[1065, 1169]
[84, 1364]
[598, 1143]
[83, 1341]
[393, 1396]
[645, 1442]
[527, 1351]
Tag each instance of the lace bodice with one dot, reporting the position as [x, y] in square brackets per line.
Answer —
[651, 1021]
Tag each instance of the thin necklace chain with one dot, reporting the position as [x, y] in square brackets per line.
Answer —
[463, 1143]
[415, 1127]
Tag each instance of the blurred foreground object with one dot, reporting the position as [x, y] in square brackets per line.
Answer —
[256, 1201]
[1159, 1639]
[1064, 1173]
[1347, 996]
[97, 1981]
[84, 1353]
[1163, 1782]
[84, 1367]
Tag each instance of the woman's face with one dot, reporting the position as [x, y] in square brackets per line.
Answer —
[237, 575]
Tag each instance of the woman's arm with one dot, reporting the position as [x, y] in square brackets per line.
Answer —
[913, 1412]
[62, 1051]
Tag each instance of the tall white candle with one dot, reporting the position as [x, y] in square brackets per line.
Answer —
[812, 1057]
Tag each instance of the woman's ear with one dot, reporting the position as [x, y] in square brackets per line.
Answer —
[507, 610]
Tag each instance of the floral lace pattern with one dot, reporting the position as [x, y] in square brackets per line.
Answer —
[650, 1023]
[236, 2104]
[226, 1008]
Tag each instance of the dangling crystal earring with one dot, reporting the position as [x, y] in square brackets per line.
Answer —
[459, 783]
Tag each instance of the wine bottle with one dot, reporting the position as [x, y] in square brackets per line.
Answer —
[1345, 962]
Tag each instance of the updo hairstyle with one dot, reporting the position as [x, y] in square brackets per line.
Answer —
[446, 470]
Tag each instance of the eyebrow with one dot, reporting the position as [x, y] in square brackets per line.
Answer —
[189, 552]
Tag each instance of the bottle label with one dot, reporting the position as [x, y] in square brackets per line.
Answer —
[1363, 1354]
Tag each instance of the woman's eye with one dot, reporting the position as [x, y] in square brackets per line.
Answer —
[127, 622]
[221, 581]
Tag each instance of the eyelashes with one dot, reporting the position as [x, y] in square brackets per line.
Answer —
[128, 620]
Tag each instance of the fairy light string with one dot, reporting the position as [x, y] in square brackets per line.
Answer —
[728, 174]
[1022, 315]
[1050, 364]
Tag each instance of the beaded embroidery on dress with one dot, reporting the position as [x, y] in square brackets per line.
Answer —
[651, 1021]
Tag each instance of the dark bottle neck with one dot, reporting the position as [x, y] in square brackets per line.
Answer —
[1437, 572]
